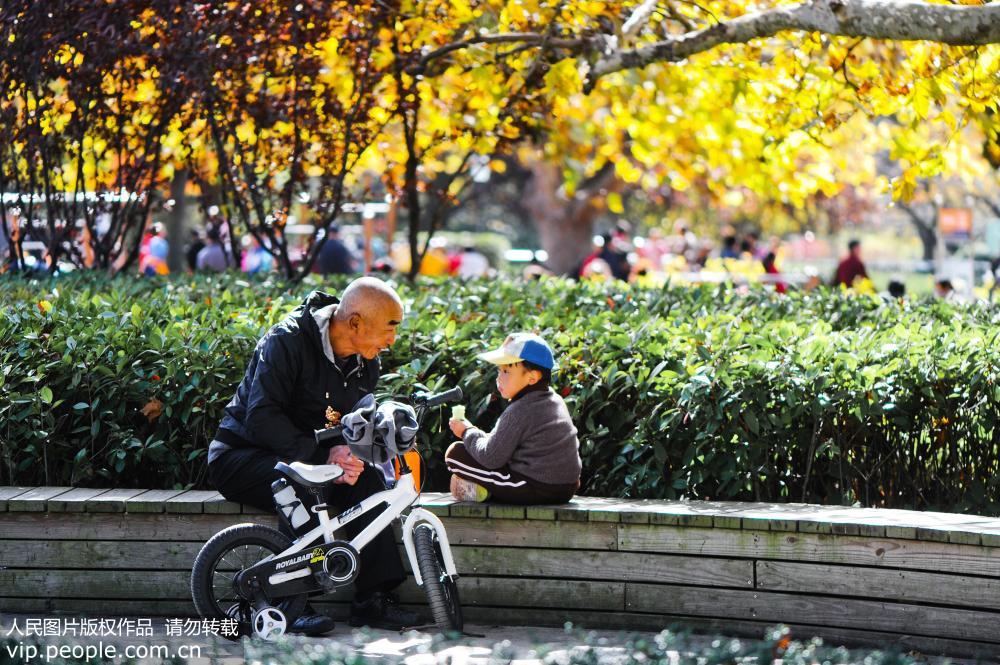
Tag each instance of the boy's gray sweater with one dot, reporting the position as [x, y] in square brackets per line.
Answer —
[534, 436]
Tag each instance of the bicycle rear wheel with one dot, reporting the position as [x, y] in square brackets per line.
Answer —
[441, 589]
[227, 553]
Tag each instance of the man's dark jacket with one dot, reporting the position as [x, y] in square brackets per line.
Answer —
[288, 386]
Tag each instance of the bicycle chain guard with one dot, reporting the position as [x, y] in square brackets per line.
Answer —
[340, 565]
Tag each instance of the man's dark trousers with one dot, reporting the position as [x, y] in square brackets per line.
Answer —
[245, 475]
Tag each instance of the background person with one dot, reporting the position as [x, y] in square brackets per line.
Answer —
[851, 267]
[213, 257]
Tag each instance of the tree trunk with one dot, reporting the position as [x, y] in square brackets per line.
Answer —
[565, 227]
[926, 228]
[929, 239]
[177, 222]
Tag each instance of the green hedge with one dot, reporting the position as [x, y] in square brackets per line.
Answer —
[673, 647]
[701, 393]
[668, 647]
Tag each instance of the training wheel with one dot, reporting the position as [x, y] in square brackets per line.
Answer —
[269, 624]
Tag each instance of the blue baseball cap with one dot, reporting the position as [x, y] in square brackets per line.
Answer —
[519, 347]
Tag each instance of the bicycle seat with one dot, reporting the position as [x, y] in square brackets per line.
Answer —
[310, 475]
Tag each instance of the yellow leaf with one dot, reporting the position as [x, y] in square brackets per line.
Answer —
[615, 203]
[564, 78]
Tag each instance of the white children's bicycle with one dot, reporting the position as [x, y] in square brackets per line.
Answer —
[258, 576]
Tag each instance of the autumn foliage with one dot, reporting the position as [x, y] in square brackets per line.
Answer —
[288, 108]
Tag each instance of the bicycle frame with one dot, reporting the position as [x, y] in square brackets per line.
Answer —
[399, 498]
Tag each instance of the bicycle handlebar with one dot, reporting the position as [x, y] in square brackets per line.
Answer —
[427, 400]
[324, 436]
[432, 400]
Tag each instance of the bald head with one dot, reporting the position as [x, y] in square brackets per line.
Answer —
[368, 296]
[366, 319]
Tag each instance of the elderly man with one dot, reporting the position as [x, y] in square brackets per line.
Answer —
[308, 369]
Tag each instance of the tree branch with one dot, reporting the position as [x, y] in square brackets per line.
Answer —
[638, 18]
[506, 38]
[958, 25]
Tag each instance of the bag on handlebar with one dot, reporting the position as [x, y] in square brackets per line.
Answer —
[377, 434]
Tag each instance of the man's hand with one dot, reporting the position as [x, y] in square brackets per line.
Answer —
[458, 427]
[352, 466]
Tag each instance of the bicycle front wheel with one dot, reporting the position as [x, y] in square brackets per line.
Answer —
[441, 589]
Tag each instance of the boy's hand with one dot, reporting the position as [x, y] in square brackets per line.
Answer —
[458, 427]
[352, 466]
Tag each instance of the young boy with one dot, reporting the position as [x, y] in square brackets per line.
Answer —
[532, 455]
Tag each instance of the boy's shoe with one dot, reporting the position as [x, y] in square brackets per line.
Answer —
[312, 625]
[466, 490]
[382, 610]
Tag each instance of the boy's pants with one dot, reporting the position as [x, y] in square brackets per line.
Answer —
[504, 485]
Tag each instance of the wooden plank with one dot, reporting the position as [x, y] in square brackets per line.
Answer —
[511, 592]
[900, 585]
[758, 516]
[727, 522]
[96, 607]
[175, 585]
[7, 493]
[191, 501]
[532, 533]
[574, 511]
[219, 505]
[112, 501]
[540, 513]
[820, 527]
[74, 501]
[904, 532]
[438, 503]
[823, 611]
[468, 509]
[103, 584]
[635, 511]
[598, 565]
[821, 548]
[124, 526]
[501, 511]
[150, 501]
[35, 500]
[601, 509]
[674, 519]
[98, 554]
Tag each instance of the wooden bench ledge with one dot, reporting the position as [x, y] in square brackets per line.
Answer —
[781, 517]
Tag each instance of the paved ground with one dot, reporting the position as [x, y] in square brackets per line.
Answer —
[61, 636]
[46, 638]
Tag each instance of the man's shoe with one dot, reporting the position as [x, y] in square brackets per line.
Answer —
[312, 625]
[382, 610]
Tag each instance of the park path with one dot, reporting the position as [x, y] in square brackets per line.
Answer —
[155, 640]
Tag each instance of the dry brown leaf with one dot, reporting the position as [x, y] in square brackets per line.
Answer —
[153, 409]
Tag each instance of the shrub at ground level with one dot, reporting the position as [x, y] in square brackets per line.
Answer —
[700, 393]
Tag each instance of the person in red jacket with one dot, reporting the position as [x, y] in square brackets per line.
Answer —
[772, 269]
[851, 267]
